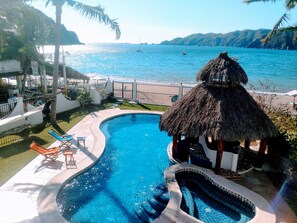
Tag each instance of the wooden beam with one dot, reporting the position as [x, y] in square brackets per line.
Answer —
[247, 144]
[174, 146]
[219, 157]
[261, 153]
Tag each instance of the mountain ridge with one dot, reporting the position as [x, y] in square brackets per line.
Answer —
[67, 37]
[247, 38]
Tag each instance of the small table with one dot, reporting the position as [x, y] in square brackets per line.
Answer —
[82, 139]
[69, 159]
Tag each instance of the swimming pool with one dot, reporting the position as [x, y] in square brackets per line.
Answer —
[128, 176]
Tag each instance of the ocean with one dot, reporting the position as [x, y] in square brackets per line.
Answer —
[268, 70]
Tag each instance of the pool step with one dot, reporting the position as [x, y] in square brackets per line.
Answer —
[156, 204]
[148, 206]
[161, 194]
[141, 214]
[229, 200]
[187, 198]
[150, 210]
[163, 163]
[215, 199]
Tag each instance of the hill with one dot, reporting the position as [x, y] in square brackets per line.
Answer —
[244, 38]
[67, 37]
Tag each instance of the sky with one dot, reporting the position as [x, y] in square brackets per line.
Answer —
[153, 21]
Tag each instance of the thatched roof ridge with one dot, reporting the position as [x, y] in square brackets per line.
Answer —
[70, 72]
[230, 114]
[222, 69]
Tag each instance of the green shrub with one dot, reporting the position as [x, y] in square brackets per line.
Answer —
[84, 98]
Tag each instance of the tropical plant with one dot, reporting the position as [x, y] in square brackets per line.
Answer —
[21, 30]
[290, 4]
[90, 12]
[84, 98]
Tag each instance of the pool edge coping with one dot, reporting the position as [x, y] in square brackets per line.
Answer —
[46, 202]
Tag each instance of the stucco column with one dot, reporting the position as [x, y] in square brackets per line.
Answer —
[180, 91]
[261, 153]
[134, 90]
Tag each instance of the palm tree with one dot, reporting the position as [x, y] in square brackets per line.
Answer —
[91, 12]
[20, 32]
[290, 4]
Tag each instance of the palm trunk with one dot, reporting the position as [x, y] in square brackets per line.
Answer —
[56, 62]
[27, 64]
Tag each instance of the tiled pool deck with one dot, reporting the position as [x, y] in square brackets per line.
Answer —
[30, 195]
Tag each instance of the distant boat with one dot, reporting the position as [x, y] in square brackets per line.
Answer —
[184, 53]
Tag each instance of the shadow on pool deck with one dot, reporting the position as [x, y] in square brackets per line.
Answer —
[258, 182]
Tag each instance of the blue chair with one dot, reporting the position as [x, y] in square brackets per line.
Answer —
[66, 140]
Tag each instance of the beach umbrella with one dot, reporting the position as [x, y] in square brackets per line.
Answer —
[294, 94]
[219, 107]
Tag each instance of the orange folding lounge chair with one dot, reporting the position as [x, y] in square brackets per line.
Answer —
[49, 154]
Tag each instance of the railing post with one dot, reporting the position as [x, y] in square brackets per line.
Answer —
[180, 90]
[134, 90]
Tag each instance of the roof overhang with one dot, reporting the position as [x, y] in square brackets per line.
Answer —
[10, 74]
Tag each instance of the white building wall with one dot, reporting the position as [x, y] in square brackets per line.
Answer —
[18, 109]
[7, 66]
[30, 118]
[63, 104]
[95, 95]
[229, 160]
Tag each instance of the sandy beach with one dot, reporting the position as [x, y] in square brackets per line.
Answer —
[161, 94]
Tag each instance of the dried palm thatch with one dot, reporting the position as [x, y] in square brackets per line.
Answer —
[70, 72]
[230, 114]
[222, 70]
[223, 110]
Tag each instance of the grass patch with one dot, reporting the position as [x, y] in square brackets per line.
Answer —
[126, 105]
[15, 152]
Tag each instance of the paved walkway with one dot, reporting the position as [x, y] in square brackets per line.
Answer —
[259, 183]
[28, 196]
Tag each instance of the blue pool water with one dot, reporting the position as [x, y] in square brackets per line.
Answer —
[204, 200]
[126, 185]
[128, 176]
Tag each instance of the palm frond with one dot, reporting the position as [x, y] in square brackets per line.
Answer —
[289, 28]
[276, 27]
[251, 1]
[95, 13]
[291, 4]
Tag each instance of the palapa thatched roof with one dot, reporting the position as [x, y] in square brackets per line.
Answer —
[227, 113]
[70, 72]
[222, 69]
